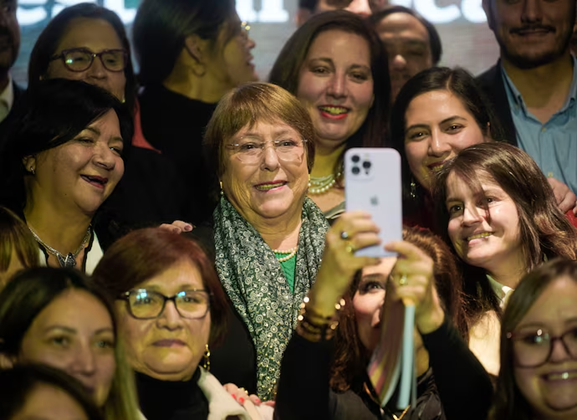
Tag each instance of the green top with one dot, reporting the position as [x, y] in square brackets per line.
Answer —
[288, 267]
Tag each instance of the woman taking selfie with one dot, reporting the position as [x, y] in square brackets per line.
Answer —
[451, 382]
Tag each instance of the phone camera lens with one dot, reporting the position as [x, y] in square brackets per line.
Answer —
[366, 164]
[356, 170]
[355, 158]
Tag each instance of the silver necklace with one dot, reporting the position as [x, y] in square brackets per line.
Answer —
[321, 184]
[65, 261]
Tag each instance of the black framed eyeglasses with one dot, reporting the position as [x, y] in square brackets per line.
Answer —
[81, 59]
[146, 304]
[534, 348]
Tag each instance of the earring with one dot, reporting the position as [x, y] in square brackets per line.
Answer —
[206, 359]
[32, 170]
[413, 192]
[221, 191]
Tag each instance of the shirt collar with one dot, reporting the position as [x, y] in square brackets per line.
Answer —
[502, 292]
[7, 96]
[514, 93]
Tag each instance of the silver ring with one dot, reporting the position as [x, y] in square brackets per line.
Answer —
[344, 235]
[403, 280]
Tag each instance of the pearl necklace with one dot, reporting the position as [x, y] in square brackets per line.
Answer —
[291, 253]
[321, 184]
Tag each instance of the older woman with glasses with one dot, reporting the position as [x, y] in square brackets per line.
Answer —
[268, 237]
[539, 347]
[171, 311]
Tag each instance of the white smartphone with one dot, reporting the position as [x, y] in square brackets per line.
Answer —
[373, 184]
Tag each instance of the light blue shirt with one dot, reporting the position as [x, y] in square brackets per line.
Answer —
[552, 145]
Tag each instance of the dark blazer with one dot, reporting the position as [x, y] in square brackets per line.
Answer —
[491, 82]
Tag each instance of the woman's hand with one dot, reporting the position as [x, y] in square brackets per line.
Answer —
[413, 277]
[178, 226]
[352, 231]
[249, 402]
[564, 197]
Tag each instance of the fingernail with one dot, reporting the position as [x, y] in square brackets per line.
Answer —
[241, 400]
[233, 396]
[257, 400]
[188, 228]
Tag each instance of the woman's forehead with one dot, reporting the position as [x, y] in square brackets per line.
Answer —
[383, 268]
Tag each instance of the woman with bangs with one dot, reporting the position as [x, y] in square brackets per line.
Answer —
[502, 221]
[328, 375]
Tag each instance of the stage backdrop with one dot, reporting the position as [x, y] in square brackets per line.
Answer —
[467, 41]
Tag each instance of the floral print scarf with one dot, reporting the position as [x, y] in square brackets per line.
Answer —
[255, 282]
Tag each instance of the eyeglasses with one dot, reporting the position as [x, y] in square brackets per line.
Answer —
[81, 59]
[251, 151]
[146, 304]
[533, 348]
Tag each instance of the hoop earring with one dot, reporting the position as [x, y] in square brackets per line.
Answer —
[206, 359]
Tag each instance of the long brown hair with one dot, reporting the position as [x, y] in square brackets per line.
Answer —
[351, 359]
[543, 230]
[287, 67]
[509, 403]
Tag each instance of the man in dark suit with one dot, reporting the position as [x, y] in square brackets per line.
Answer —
[533, 86]
[9, 48]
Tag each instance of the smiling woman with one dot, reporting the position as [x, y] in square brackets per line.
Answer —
[437, 113]
[268, 235]
[503, 222]
[61, 160]
[336, 66]
[539, 347]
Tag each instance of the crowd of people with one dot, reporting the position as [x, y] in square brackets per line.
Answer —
[175, 244]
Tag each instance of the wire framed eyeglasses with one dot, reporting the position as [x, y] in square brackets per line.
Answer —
[147, 304]
[81, 59]
[251, 151]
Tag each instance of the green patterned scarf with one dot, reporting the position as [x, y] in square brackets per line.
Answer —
[255, 282]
